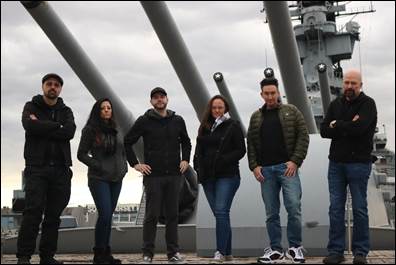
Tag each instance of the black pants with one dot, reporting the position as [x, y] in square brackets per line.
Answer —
[47, 192]
[161, 192]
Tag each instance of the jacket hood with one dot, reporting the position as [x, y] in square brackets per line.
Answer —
[152, 113]
[39, 100]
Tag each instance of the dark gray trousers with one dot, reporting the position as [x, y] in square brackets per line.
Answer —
[161, 192]
[47, 192]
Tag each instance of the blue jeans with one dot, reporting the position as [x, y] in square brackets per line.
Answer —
[355, 175]
[105, 195]
[220, 193]
[274, 181]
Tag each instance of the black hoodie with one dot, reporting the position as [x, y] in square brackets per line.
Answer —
[49, 134]
[162, 137]
[352, 141]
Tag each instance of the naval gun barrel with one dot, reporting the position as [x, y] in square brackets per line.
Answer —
[81, 64]
[288, 59]
[177, 51]
[223, 89]
[324, 86]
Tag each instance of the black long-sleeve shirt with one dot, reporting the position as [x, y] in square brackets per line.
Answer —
[352, 141]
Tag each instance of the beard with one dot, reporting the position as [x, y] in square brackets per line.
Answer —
[51, 94]
[350, 93]
[160, 106]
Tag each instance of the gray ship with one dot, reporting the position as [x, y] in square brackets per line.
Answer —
[322, 48]
[319, 47]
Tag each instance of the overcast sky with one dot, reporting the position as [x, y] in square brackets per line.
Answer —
[119, 39]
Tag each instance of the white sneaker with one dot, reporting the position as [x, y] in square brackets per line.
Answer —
[296, 254]
[271, 256]
[147, 260]
[176, 258]
[218, 256]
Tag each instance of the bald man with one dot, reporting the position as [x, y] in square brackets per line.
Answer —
[350, 123]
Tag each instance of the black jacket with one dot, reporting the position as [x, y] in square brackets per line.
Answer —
[162, 137]
[55, 126]
[217, 153]
[102, 165]
[352, 141]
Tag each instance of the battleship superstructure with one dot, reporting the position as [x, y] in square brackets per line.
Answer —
[384, 173]
[323, 46]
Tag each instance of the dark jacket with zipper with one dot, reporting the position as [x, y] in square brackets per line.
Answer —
[53, 130]
[164, 138]
[102, 164]
[217, 153]
[352, 141]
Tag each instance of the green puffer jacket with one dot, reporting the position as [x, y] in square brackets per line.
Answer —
[295, 133]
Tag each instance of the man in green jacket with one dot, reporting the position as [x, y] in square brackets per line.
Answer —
[277, 145]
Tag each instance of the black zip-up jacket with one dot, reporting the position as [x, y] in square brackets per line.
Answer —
[109, 167]
[164, 138]
[217, 153]
[55, 126]
[352, 141]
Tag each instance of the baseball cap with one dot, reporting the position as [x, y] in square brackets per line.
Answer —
[157, 90]
[52, 75]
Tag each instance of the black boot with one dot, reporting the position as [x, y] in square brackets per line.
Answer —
[99, 256]
[110, 257]
[23, 260]
[49, 260]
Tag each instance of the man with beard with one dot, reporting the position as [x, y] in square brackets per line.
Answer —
[49, 127]
[350, 122]
[164, 135]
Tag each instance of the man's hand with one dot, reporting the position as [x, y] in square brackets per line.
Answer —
[291, 169]
[143, 168]
[356, 117]
[258, 175]
[33, 117]
[332, 124]
[183, 166]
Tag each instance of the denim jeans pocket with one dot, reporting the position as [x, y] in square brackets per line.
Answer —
[361, 170]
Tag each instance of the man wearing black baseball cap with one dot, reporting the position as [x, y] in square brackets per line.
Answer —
[167, 149]
[49, 127]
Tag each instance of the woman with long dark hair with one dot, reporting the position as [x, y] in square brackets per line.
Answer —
[220, 146]
[102, 150]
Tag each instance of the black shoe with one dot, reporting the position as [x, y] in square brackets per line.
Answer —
[333, 259]
[99, 256]
[110, 257]
[359, 259]
[50, 260]
[24, 260]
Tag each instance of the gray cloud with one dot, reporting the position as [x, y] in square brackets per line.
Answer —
[119, 39]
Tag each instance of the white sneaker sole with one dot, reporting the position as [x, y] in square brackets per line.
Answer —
[278, 261]
[292, 259]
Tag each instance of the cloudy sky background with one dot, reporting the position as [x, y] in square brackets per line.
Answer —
[119, 39]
